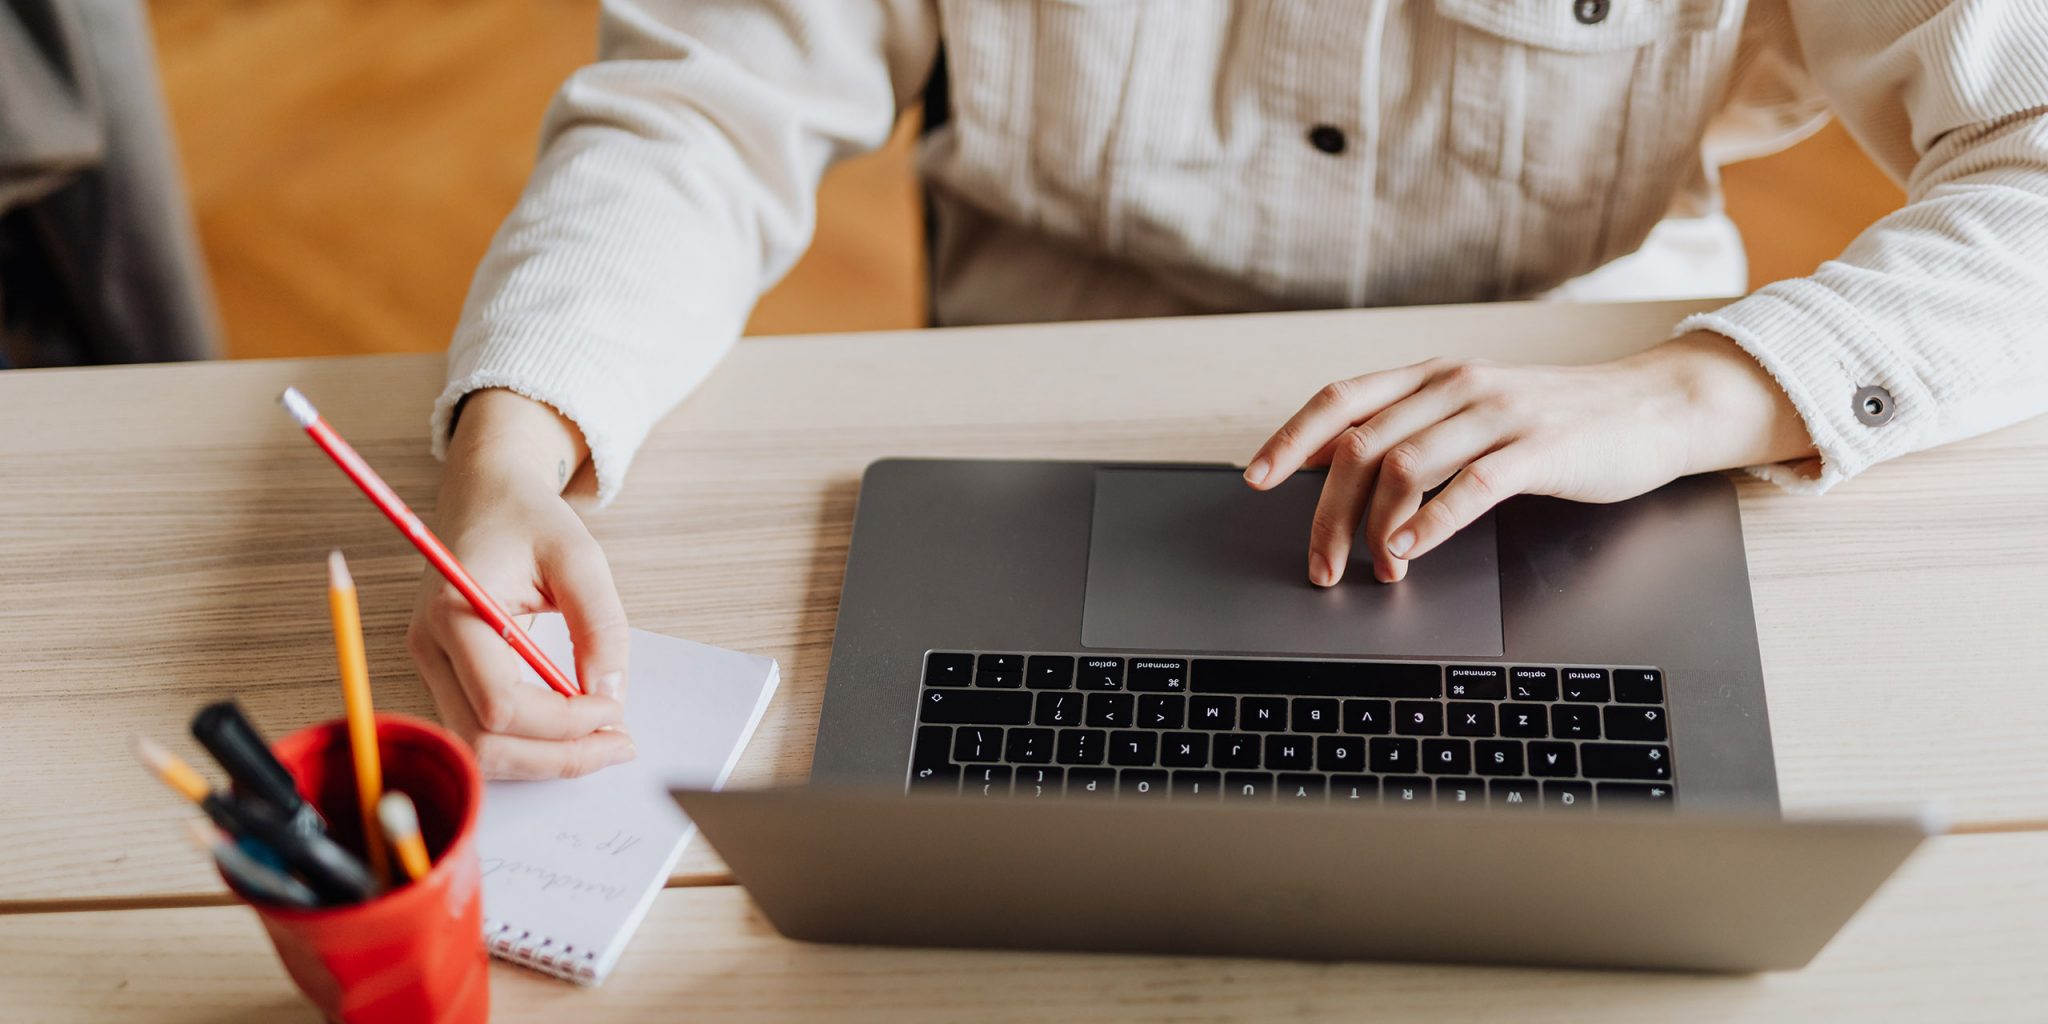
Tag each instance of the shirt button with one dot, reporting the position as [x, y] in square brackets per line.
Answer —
[1326, 138]
[1874, 406]
[1589, 12]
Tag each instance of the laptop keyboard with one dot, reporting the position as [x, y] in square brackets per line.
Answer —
[1147, 727]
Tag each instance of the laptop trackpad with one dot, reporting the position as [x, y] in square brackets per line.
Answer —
[1194, 560]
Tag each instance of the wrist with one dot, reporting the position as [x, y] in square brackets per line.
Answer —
[1732, 411]
[508, 438]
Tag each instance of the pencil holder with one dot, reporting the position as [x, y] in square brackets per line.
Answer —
[415, 953]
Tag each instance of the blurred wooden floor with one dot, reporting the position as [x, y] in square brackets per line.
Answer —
[349, 160]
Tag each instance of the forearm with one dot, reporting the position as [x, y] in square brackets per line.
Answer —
[1733, 413]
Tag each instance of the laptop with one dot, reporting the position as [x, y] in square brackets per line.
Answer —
[1146, 633]
[1694, 891]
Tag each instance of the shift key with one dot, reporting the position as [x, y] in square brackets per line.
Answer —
[1623, 760]
[991, 707]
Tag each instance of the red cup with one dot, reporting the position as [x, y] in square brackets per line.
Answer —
[417, 952]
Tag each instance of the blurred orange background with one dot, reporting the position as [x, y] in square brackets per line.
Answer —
[349, 159]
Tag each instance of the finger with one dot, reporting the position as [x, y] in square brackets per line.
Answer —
[450, 705]
[579, 581]
[1333, 410]
[1410, 469]
[1340, 507]
[1355, 464]
[502, 701]
[1488, 481]
[522, 757]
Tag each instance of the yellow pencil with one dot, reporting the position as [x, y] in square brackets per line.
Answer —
[402, 826]
[362, 723]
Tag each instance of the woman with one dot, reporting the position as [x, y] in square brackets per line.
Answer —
[1099, 158]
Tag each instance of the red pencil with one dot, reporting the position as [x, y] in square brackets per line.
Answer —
[394, 509]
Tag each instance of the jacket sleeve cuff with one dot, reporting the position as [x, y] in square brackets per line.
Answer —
[1822, 352]
[578, 381]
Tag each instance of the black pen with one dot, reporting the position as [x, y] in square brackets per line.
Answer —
[232, 739]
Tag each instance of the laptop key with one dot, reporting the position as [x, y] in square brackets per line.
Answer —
[1248, 786]
[1080, 746]
[1635, 723]
[1315, 714]
[1585, 685]
[1355, 789]
[1101, 674]
[1514, 794]
[977, 743]
[1058, 709]
[1526, 721]
[1464, 794]
[1399, 789]
[1134, 748]
[1004, 671]
[1161, 710]
[1290, 752]
[1476, 682]
[1049, 672]
[1391, 755]
[933, 748]
[1497, 757]
[1447, 757]
[1655, 796]
[1638, 686]
[943, 669]
[974, 707]
[1368, 717]
[935, 780]
[1141, 784]
[1626, 761]
[986, 780]
[1236, 750]
[1553, 759]
[1469, 718]
[1532, 683]
[1028, 746]
[1038, 783]
[1575, 723]
[1109, 710]
[1340, 754]
[1158, 675]
[1184, 749]
[1299, 788]
[1418, 718]
[1205, 712]
[1091, 782]
[1567, 796]
[1266, 714]
[1207, 786]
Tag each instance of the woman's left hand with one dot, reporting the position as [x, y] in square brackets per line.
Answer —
[1598, 433]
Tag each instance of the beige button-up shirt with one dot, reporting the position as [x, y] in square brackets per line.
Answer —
[1105, 158]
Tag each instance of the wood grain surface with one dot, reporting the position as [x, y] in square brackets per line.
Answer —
[162, 530]
[1941, 941]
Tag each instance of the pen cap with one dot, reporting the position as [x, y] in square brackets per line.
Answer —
[232, 739]
[416, 952]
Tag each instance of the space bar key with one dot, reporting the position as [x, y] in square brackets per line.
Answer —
[1316, 678]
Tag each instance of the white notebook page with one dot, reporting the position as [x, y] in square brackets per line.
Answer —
[571, 866]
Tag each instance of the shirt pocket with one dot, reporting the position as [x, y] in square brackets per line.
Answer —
[1547, 95]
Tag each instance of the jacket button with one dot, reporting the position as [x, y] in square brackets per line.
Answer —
[1590, 12]
[1874, 406]
[1326, 138]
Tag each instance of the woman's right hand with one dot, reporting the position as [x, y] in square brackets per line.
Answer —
[503, 515]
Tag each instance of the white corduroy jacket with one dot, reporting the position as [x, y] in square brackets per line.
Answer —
[1110, 158]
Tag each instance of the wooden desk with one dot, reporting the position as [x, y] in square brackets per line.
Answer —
[1937, 944]
[162, 530]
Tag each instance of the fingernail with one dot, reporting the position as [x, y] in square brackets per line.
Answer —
[1401, 543]
[609, 684]
[622, 753]
[1255, 474]
[1319, 570]
[1400, 571]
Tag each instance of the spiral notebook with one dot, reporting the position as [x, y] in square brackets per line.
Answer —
[570, 867]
